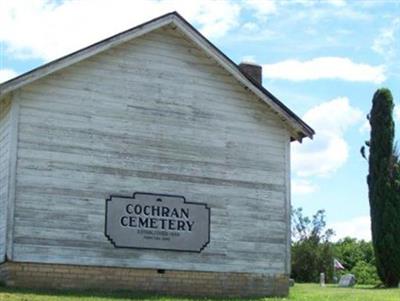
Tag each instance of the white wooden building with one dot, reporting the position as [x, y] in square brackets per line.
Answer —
[155, 109]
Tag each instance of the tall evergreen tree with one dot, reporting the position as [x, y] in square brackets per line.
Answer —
[384, 192]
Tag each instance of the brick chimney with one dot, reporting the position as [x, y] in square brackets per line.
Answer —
[252, 70]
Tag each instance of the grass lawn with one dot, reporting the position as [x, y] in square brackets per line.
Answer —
[301, 292]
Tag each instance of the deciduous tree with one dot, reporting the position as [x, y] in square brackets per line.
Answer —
[311, 249]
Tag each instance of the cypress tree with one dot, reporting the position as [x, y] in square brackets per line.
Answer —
[384, 192]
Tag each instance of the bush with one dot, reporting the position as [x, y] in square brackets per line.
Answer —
[365, 273]
[349, 251]
[357, 256]
[310, 258]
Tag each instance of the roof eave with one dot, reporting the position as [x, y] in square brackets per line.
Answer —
[298, 128]
[84, 53]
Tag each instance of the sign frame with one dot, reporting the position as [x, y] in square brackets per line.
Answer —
[109, 199]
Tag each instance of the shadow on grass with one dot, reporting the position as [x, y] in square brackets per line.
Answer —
[112, 294]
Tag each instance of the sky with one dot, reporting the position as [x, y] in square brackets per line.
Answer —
[324, 59]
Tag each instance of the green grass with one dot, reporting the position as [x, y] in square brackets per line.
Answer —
[301, 292]
[313, 292]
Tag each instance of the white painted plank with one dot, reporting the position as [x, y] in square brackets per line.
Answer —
[152, 115]
[5, 121]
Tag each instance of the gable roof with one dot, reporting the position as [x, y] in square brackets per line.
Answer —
[297, 127]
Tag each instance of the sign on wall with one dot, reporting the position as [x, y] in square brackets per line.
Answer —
[156, 221]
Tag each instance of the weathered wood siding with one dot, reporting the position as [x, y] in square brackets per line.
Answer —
[153, 115]
[5, 141]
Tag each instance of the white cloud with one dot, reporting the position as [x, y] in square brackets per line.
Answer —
[49, 29]
[302, 187]
[338, 3]
[250, 26]
[384, 43]
[329, 150]
[397, 113]
[6, 74]
[357, 227]
[365, 127]
[262, 8]
[324, 68]
[248, 59]
[319, 11]
[307, 3]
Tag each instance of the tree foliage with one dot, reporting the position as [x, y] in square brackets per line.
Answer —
[350, 251]
[365, 273]
[357, 256]
[313, 252]
[384, 188]
[311, 249]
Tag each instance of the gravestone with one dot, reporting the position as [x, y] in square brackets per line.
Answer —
[291, 282]
[348, 280]
[322, 279]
